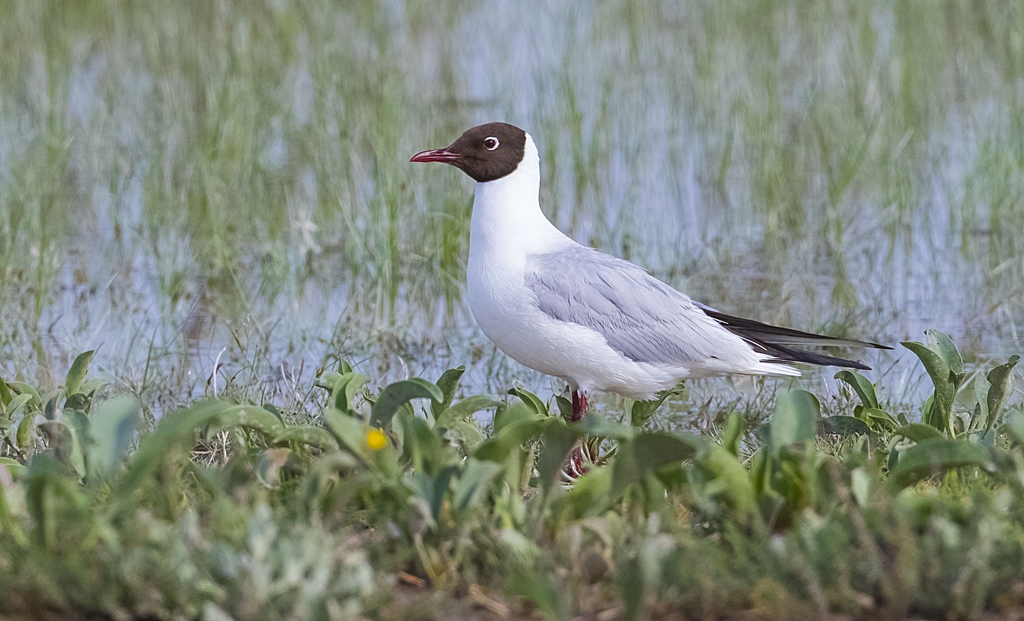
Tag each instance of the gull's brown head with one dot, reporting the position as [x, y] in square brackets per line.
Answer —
[485, 152]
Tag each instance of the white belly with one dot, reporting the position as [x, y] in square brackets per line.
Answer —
[506, 311]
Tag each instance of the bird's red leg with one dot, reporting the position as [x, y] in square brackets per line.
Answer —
[579, 410]
[579, 406]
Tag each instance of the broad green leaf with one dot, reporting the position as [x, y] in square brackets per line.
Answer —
[516, 412]
[113, 429]
[944, 347]
[641, 411]
[843, 426]
[559, 439]
[795, 420]
[531, 400]
[16, 404]
[25, 427]
[935, 456]
[348, 430]
[398, 394]
[250, 417]
[77, 372]
[466, 434]
[597, 425]
[591, 493]
[861, 385]
[308, 434]
[1001, 380]
[473, 482]
[421, 444]
[345, 389]
[860, 486]
[448, 383]
[938, 414]
[729, 479]
[24, 389]
[465, 408]
[919, 432]
[647, 452]
[81, 439]
[877, 418]
[512, 436]
[5, 393]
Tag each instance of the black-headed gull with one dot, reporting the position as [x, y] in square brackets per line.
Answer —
[596, 321]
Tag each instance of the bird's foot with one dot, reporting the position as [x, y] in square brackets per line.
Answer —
[575, 467]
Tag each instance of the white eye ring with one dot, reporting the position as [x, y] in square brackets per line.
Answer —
[491, 143]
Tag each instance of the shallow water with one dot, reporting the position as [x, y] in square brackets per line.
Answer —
[229, 185]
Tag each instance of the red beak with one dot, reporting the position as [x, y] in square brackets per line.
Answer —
[436, 155]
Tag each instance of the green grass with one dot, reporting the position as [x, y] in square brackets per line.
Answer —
[216, 198]
[399, 504]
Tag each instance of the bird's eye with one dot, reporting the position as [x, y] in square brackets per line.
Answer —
[490, 143]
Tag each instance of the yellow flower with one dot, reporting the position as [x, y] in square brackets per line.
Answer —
[376, 440]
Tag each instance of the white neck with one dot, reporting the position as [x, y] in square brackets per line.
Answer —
[507, 219]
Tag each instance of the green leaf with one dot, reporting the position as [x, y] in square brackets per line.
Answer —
[308, 434]
[729, 479]
[559, 439]
[449, 384]
[77, 372]
[81, 439]
[647, 452]
[473, 482]
[113, 429]
[465, 408]
[5, 393]
[531, 400]
[861, 385]
[602, 427]
[17, 403]
[345, 389]
[641, 411]
[919, 432]
[347, 429]
[398, 394]
[944, 347]
[795, 420]
[734, 428]
[938, 413]
[843, 426]
[250, 417]
[25, 427]
[878, 419]
[1001, 380]
[523, 424]
[935, 456]
[24, 389]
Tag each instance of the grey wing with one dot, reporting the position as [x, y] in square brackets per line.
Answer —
[640, 316]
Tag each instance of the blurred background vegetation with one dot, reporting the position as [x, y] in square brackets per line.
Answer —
[187, 183]
[213, 199]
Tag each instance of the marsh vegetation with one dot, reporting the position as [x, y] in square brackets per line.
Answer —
[214, 199]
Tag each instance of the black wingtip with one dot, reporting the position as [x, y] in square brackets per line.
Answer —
[777, 341]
